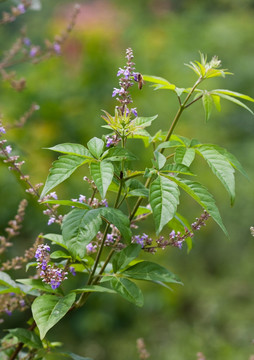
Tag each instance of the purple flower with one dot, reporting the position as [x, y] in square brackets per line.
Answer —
[90, 248]
[172, 234]
[57, 48]
[2, 130]
[8, 312]
[72, 270]
[135, 75]
[21, 8]
[8, 149]
[33, 51]
[27, 41]
[51, 220]
[53, 195]
[82, 198]
[115, 92]
[134, 111]
[109, 142]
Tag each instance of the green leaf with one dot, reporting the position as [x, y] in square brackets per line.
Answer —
[39, 285]
[61, 170]
[233, 93]
[216, 101]
[76, 204]
[143, 210]
[207, 104]
[231, 158]
[168, 144]
[118, 154]
[48, 310]
[164, 198]
[29, 338]
[72, 149]
[59, 255]
[94, 288]
[143, 122]
[102, 173]
[128, 290]
[117, 218]
[147, 270]
[136, 188]
[156, 80]
[96, 146]
[125, 256]
[6, 280]
[202, 196]
[176, 168]
[55, 355]
[220, 167]
[160, 160]
[79, 227]
[56, 239]
[184, 155]
[234, 100]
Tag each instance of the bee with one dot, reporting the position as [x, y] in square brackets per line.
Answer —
[140, 81]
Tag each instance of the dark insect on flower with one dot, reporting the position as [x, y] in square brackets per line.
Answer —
[139, 78]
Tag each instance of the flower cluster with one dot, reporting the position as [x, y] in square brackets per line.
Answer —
[13, 227]
[126, 80]
[93, 202]
[143, 240]
[175, 239]
[50, 274]
[112, 140]
[10, 302]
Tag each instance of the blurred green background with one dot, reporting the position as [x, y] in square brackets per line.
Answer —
[214, 311]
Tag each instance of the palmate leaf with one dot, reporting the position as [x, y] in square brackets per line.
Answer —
[72, 149]
[184, 155]
[147, 270]
[79, 227]
[102, 173]
[220, 166]
[128, 290]
[164, 198]
[202, 196]
[48, 310]
[62, 170]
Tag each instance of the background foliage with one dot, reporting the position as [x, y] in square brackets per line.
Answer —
[213, 312]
